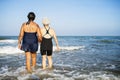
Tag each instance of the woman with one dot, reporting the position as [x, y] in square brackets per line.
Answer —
[30, 34]
[46, 47]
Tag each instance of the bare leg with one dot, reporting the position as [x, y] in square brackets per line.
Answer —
[28, 58]
[33, 59]
[50, 61]
[44, 61]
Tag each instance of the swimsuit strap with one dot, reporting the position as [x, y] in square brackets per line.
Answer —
[47, 31]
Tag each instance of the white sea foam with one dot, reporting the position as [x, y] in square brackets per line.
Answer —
[4, 69]
[69, 48]
[110, 66]
[8, 41]
[15, 50]
[7, 47]
[57, 74]
[10, 50]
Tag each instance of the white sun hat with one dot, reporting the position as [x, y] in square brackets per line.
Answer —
[45, 20]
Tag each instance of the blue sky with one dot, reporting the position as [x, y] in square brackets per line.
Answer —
[68, 17]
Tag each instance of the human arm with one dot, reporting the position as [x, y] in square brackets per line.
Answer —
[56, 40]
[39, 33]
[20, 37]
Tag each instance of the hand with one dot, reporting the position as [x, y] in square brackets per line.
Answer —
[19, 46]
[40, 39]
[58, 49]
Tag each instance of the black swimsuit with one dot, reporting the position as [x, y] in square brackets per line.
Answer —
[46, 45]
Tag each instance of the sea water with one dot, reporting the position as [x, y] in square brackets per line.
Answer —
[80, 58]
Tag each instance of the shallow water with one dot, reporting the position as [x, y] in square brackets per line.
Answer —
[80, 58]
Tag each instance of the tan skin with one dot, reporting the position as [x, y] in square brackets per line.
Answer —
[32, 27]
[53, 34]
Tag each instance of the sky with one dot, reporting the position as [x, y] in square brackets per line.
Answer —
[67, 17]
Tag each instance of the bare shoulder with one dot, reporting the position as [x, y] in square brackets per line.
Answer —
[23, 25]
[52, 30]
[42, 29]
[36, 24]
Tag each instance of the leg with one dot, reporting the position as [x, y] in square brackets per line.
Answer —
[50, 61]
[49, 56]
[44, 61]
[28, 58]
[33, 59]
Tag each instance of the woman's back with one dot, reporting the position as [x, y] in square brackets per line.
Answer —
[46, 34]
[31, 27]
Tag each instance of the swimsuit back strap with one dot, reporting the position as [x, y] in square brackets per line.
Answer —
[47, 32]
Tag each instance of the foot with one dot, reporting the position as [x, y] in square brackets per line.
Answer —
[43, 68]
[29, 71]
[51, 68]
[33, 68]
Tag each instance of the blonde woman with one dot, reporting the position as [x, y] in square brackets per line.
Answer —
[46, 47]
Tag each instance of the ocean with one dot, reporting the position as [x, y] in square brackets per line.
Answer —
[80, 58]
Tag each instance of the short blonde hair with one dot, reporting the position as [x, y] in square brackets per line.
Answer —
[45, 20]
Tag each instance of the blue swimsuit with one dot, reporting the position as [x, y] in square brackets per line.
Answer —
[30, 42]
